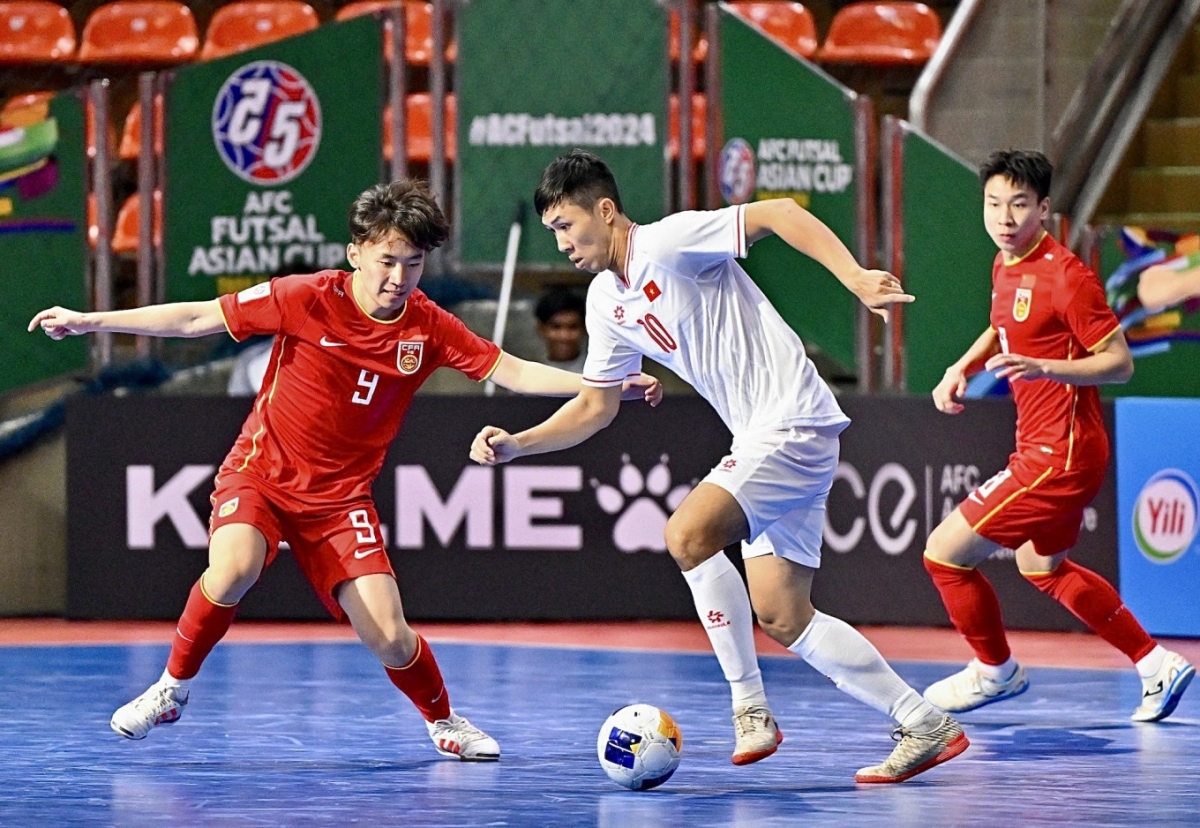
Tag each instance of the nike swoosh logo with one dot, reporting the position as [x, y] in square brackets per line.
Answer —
[362, 553]
[329, 344]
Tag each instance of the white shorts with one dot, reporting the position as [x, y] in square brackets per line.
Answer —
[781, 479]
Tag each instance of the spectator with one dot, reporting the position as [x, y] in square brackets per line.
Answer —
[560, 324]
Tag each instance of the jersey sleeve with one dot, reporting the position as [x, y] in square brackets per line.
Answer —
[278, 306]
[609, 361]
[463, 350]
[698, 239]
[1087, 312]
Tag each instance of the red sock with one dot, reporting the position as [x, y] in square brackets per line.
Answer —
[1094, 602]
[421, 681]
[204, 622]
[973, 608]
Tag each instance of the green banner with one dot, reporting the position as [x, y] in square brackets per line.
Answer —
[265, 152]
[948, 259]
[43, 234]
[789, 132]
[531, 87]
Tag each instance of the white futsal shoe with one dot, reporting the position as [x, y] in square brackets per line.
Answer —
[1162, 691]
[918, 750]
[160, 704]
[456, 737]
[758, 735]
[969, 688]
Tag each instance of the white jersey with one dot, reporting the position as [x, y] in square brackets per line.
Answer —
[686, 303]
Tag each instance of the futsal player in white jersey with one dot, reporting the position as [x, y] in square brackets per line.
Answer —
[673, 291]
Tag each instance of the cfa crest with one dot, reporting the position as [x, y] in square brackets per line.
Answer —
[1022, 304]
[408, 357]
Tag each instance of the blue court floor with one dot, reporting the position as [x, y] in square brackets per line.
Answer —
[313, 734]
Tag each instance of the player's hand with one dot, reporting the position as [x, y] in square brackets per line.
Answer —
[1016, 367]
[878, 290]
[58, 322]
[493, 446]
[949, 391]
[643, 386]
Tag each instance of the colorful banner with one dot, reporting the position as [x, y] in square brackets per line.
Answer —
[530, 88]
[947, 260]
[1158, 512]
[265, 152]
[789, 133]
[43, 234]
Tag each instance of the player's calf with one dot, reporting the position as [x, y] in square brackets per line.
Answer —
[160, 704]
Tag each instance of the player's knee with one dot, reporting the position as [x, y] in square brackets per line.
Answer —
[226, 581]
[689, 543]
[394, 642]
[785, 624]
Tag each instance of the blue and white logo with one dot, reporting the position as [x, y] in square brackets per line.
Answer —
[1164, 517]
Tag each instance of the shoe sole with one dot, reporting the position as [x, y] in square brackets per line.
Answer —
[957, 745]
[1174, 694]
[755, 755]
[992, 700]
[487, 757]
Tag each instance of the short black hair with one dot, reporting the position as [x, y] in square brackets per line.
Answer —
[558, 300]
[405, 206]
[579, 177]
[1027, 168]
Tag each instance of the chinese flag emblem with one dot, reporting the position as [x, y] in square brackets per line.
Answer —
[652, 292]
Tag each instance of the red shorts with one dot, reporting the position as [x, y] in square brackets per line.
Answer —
[1030, 501]
[331, 545]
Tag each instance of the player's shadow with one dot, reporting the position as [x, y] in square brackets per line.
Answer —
[1048, 743]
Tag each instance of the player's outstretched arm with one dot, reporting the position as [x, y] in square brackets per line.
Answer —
[577, 420]
[877, 289]
[1110, 363]
[183, 319]
[525, 377]
[950, 390]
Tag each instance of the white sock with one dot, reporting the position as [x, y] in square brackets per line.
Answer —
[998, 672]
[1152, 662]
[724, 609]
[837, 650]
[168, 680]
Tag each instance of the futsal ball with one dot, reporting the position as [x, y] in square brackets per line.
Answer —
[639, 747]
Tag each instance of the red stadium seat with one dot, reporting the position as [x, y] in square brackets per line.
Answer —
[699, 42]
[125, 230]
[882, 34]
[699, 117]
[35, 31]
[418, 27]
[140, 31]
[418, 113]
[789, 24]
[248, 23]
[131, 134]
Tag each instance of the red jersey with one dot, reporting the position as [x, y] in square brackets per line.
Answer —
[1050, 305]
[339, 381]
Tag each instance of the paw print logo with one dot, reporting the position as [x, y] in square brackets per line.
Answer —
[619, 313]
[644, 502]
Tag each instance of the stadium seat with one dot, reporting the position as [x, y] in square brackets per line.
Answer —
[89, 132]
[25, 110]
[131, 134]
[35, 31]
[140, 31]
[418, 109]
[790, 24]
[125, 229]
[418, 27]
[699, 116]
[882, 34]
[248, 23]
[699, 43]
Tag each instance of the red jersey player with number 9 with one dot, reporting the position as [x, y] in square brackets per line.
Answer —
[350, 351]
[1054, 338]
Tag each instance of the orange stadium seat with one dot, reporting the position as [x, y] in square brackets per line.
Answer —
[140, 31]
[882, 34]
[125, 230]
[248, 23]
[699, 42]
[418, 27]
[131, 134]
[790, 24]
[89, 131]
[699, 116]
[418, 111]
[34, 31]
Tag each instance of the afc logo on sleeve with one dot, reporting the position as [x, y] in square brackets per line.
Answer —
[259, 291]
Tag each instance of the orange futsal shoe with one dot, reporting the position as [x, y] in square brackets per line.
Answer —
[918, 752]
[757, 734]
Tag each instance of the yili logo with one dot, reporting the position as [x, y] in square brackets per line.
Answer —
[266, 123]
[735, 171]
[1164, 517]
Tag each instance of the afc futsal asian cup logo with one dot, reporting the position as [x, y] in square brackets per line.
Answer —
[1164, 517]
[266, 123]
[735, 171]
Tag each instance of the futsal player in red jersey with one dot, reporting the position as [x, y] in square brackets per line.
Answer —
[1054, 338]
[350, 351]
